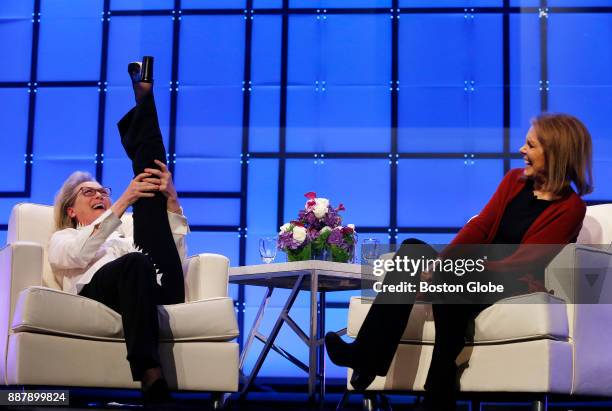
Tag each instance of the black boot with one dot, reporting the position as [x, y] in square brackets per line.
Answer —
[141, 74]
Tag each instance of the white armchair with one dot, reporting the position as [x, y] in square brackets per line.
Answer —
[548, 346]
[52, 338]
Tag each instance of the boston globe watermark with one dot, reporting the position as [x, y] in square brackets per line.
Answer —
[488, 274]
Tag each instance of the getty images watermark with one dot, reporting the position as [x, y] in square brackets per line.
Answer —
[487, 273]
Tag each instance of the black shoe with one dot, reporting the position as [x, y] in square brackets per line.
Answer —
[439, 402]
[340, 352]
[157, 396]
[141, 72]
[360, 380]
[142, 78]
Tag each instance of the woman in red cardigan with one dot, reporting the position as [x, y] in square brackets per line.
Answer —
[533, 205]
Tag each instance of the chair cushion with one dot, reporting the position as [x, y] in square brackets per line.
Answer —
[524, 317]
[49, 311]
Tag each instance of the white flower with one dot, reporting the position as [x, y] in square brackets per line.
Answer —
[321, 207]
[351, 226]
[299, 234]
[285, 227]
[325, 229]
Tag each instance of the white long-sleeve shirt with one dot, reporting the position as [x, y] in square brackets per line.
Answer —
[76, 254]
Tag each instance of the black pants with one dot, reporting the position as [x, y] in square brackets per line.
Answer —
[387, 319]
[128, 285]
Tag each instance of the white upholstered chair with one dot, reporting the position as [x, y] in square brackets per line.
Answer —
[548, 346]
[52, 338]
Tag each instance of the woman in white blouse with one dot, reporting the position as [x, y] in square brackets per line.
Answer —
[133, 265]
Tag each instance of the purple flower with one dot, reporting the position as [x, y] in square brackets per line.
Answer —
[313, 233]
[335, 237]
[310, 218]
[286, 241]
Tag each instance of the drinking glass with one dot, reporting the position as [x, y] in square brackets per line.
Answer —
[369, 250]
[267, 249]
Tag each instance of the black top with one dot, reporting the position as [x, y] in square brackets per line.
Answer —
[520, 213]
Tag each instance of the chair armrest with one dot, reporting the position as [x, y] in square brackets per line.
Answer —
[206, 276]
[21, 265]
[578, 274]
[582, 275]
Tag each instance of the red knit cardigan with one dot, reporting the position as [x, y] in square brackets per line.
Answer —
[559, 224]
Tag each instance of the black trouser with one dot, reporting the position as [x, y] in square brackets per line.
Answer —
[387, 319]
[128, 284]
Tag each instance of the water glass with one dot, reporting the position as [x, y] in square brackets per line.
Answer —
[267, 249]
[369, 250]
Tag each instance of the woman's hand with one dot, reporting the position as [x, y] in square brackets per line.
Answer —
[163, 180]
[138, 188]
[426, 276]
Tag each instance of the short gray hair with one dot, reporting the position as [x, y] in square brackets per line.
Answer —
[65, 198]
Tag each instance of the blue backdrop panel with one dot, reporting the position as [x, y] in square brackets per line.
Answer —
[592, 105]
[454, 94]
[575, 49]
[70, 40]
[525, 3]
[524, 50]
[66, 123]
[425, 191]
[120, 100]
[16, 25]
[524, 106]
[212, 211]
[304, 49]
[451, 3]
[339, 3]
[207, 174]
[581, 80]
[355, 49]
[267, 4]
[16, 8]
[141, 4]
[266, 50]
[130, 38]
[209, 122]
[213, 4]
[447, 50]
[336, 119]
[261, 204]
[14, 120]
[361, 185]
[117, 174]
[584, 3]
[303, 117]
[203, 60]
[354, 119]
[2, 236]
[212, 242]
[49, 175]
[264, 118]
[443, 119]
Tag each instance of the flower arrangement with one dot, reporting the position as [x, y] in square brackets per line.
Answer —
[318, 233]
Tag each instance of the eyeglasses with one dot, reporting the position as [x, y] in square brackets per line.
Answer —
[90, 191]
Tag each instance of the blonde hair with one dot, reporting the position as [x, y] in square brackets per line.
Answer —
[65, 198]
[567, 147]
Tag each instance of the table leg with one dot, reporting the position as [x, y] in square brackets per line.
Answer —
[273, 334]
[313, 348]
[255, 327]
[321, 347]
